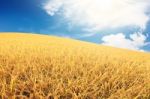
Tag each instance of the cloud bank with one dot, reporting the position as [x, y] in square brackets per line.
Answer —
[101, 14]
[135, 41]
[95, 15]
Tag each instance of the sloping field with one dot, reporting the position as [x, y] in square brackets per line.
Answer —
[39, 67]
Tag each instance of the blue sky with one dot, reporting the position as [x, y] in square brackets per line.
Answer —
[123, 24]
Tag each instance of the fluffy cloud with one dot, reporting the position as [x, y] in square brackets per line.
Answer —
[101, 14]
[95, 15]
[135, 41]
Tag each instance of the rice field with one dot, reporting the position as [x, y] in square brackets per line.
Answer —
[47, 67]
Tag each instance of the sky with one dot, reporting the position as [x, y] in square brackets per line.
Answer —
[117, 23]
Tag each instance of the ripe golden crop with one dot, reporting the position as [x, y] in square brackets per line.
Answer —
[39, 67]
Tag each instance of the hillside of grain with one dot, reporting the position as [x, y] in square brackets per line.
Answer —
[48, 67]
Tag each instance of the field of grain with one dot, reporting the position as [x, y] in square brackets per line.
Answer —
[46, 67]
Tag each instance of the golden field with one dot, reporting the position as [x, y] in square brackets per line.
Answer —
[46, 67]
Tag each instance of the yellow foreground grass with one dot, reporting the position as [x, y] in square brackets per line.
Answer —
[46, 67]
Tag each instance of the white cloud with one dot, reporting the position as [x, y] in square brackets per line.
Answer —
[101, 14]
[135, 41]
[95, 15]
